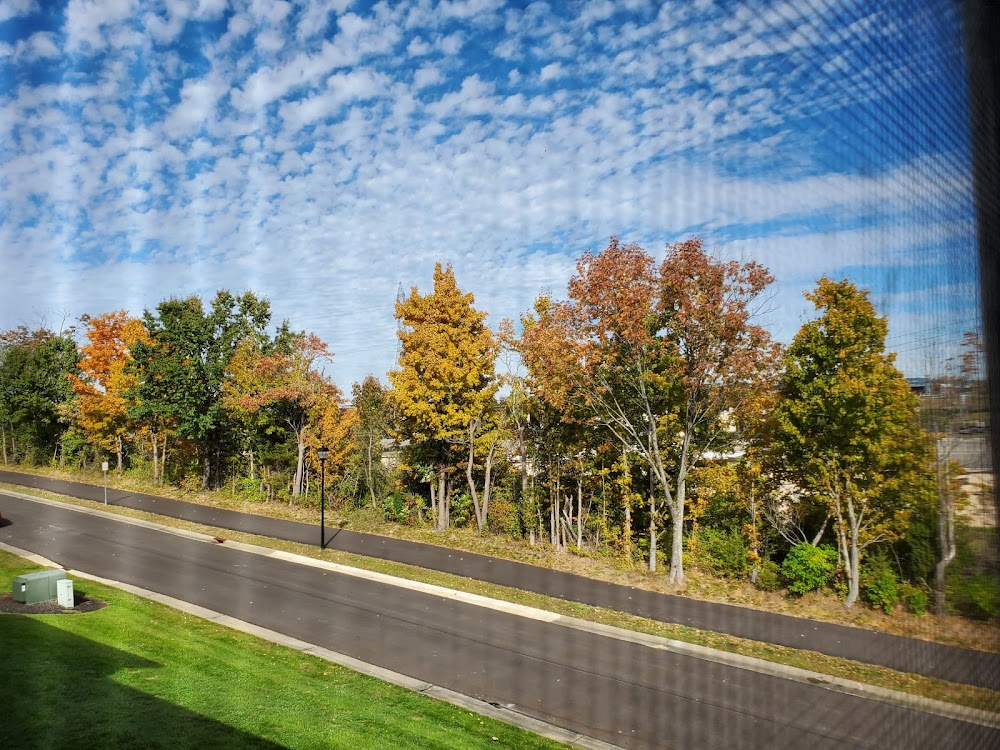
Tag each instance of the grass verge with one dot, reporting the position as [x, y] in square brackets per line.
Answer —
[927, 687]
[138, 674]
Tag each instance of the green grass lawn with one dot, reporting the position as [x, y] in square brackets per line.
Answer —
[137, 674]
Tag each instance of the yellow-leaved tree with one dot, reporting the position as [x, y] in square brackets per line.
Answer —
[444, 388]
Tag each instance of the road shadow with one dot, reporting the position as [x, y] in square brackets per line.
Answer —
[57, 690]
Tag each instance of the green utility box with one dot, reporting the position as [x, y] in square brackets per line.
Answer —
[32, 588]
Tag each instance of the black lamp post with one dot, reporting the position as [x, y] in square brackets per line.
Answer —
[322, 453]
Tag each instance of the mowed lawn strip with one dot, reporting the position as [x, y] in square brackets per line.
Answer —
[926, 687]
[138, 674]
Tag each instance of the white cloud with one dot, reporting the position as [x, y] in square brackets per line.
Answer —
[330, 174]
[552, 71]
[341, 89]
[596, 11]
[418, 47]
[468, 9]
[196, 107]
[13, 8]
[41, 44]
[87, 19]
[451, 44]
[427, 75]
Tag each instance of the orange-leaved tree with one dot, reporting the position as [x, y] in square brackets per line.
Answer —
[664, 357]
[104, 380]
[284, 385]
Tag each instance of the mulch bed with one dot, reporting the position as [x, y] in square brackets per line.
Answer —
[81, 604]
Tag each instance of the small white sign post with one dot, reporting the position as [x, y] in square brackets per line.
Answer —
[104, 468]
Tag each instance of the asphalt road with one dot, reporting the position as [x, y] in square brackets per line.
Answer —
[903, 654]
[621, 692]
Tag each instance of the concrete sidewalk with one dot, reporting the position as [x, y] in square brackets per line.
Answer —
[895, 652]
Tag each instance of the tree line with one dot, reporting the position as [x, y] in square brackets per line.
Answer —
[646, 416]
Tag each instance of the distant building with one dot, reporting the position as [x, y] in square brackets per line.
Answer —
[919, 386]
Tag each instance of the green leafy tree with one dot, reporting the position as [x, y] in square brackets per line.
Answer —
[35, 390]
[444, 385]
[181, 370]
[846, 424]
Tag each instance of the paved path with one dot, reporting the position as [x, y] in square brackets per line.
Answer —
[619, 691]
[903, 654]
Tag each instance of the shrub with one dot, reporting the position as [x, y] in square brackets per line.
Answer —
[808, 568]
[976, 597]
[394, 507]
[879, 584]
[461, 509]
[722, 552]
[767, 576]
[401, 507]
[502, 517]
[915, 597]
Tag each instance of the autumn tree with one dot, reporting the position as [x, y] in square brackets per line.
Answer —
[846, 424]
[444, 385]
[550, 411]
[371, 407]
[332, 427]
[104, 379]
[285, 385]
[664, 357]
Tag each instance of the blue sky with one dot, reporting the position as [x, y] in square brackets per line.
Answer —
[323, 153]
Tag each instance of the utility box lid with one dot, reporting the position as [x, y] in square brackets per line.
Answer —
[32, 588]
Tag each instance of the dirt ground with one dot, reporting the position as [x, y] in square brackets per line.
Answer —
[81, 604]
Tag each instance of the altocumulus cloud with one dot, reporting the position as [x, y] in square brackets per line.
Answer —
[323, 154]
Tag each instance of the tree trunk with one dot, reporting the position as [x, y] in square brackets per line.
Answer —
[854, 574]
[819, 534]
[163, 458]
[444, 498]
[297, 481]
[554, 511]
[676, 507]
[368, 468]
[627, 529]
[156, 464]
[3, 440]
[676, 575]
[652, 534]
[579, 513]
[481, 509]
[488, 483]
[946, 534]
[432, 483]
[119, 451]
